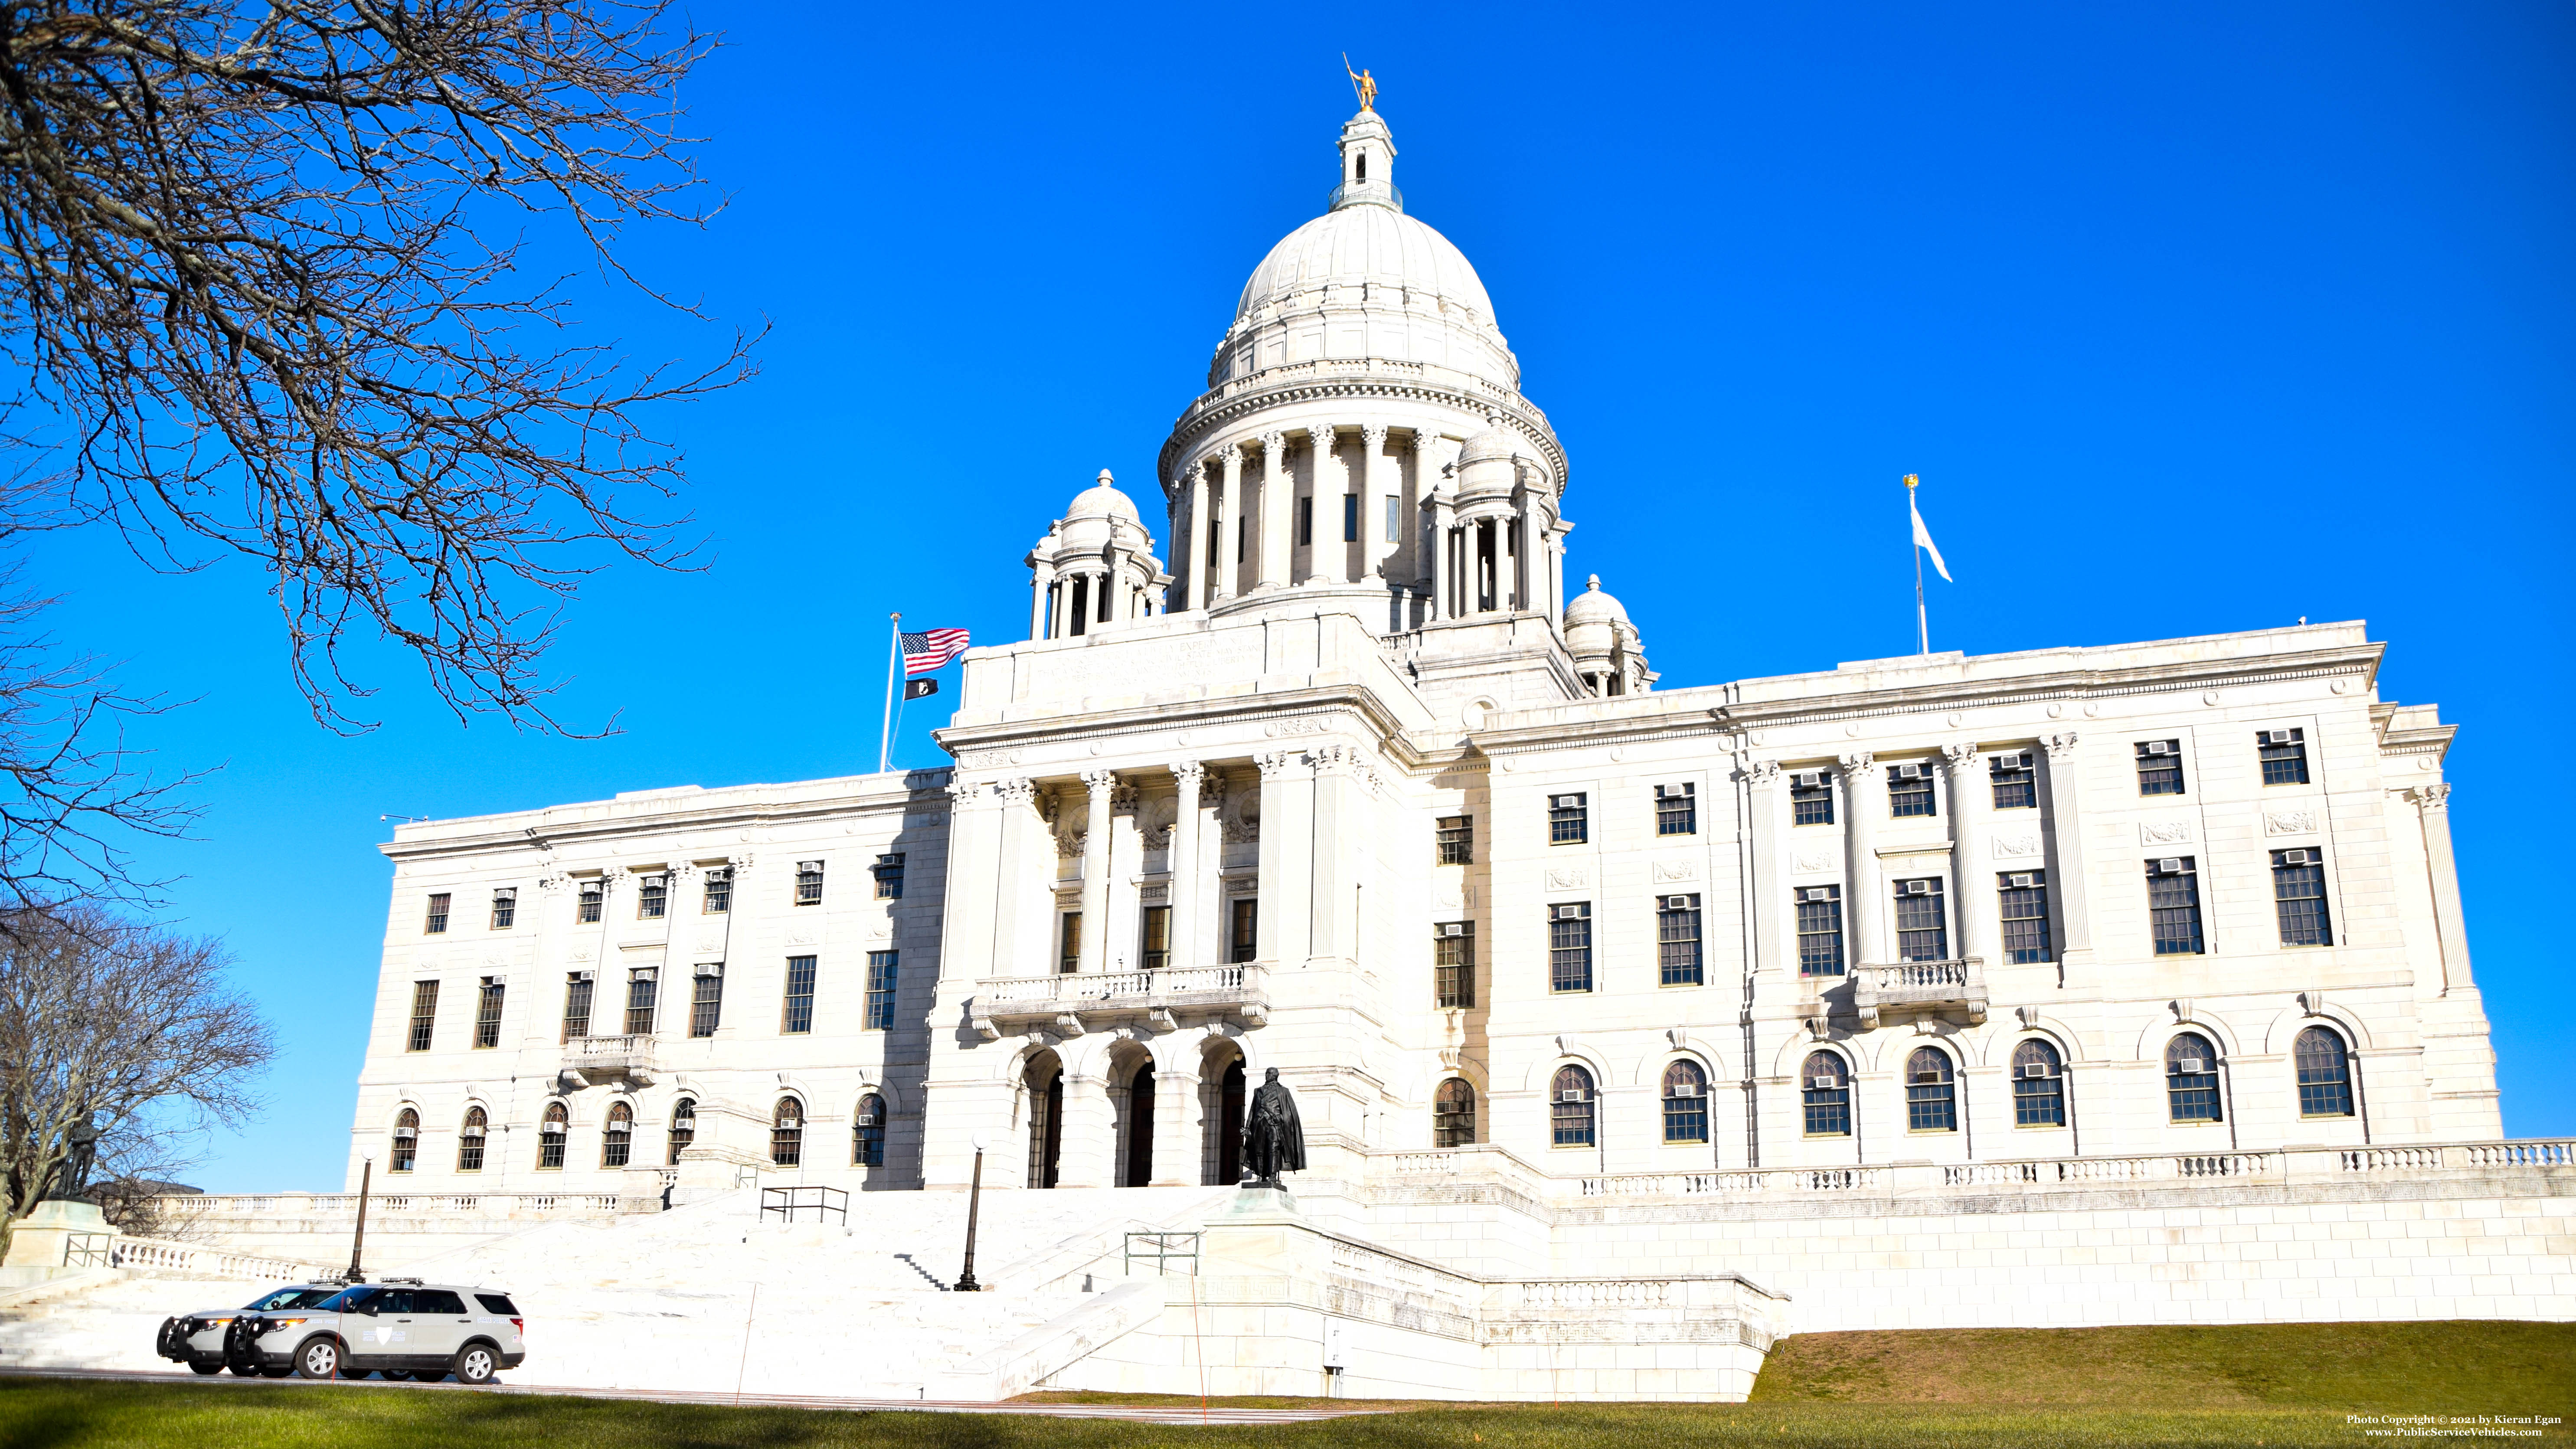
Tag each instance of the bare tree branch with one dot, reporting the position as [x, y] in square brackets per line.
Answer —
[252, 265]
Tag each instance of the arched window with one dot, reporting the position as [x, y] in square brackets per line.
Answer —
[1570, 1107]
[2325, 1074]
[2039, 1090]
[1685, 1103]
[2191, 1078]
[867, 1133]
[684, 1130]
[406, 1141]
[469, 1140]
[1827, 1083]
[787, 1133]
[550, 1135]
[617, 1142]
[1453, 1114]
[1931, 1097]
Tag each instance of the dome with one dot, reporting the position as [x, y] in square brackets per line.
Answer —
[1594, 607]
[1101, 500]
[1367, 246]
[1496, 441]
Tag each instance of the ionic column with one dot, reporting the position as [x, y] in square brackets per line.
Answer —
[2433, 805]
[1442, 511]
[1041, 578]
[1278, 511]
[1769, 824]
[2066, 878]
[1417, 496]
[1972, 877]
[1863, 911]
[1194, 588]
[1372, 503]
[1228, 580]
[1184, 860]
[1329, 557]
[1095, 871]
[1287, 857]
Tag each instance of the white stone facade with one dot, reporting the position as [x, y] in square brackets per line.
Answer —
[1246, 773]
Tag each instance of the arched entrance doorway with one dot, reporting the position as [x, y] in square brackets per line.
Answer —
[1045, 1083]
[1140, 1127]
[1229, 1123]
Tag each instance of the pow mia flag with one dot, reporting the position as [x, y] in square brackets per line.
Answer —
[920, 688]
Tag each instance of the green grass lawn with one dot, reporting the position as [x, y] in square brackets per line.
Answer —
[2288, 1385]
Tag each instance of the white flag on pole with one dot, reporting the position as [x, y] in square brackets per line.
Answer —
[1923, 538]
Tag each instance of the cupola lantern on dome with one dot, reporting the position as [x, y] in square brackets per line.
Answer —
[1368, 165]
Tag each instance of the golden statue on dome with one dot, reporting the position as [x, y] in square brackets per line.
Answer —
[1362, 82]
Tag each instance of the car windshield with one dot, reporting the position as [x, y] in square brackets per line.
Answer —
[348, 1300]
[289, 1298]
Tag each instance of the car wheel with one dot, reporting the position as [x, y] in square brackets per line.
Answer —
[318, 1359]
[203, 1367]
[397, 1375]
[476, 1363]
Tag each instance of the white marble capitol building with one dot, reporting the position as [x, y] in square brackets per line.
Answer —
[1879, 995]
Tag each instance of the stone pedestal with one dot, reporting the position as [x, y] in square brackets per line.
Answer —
[41, 1237]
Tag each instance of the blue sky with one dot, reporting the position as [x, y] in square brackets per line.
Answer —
[2193, 318]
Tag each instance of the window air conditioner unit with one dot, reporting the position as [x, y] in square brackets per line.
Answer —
[585, 976]
[496, 980]
[1570, 1094]
[1808, 779]
[2159, 747]
[1567, 802]
[710, 970]
[1821, 1083]
[1817, 893]
[2013, 762]
[1918, 888]
[477, 1131]
[1453, 928]
[551, 1129]
[2170, 865]
[405, 1134]
[1909, 772]
[1677, 903]
[2035, 1070]
[2191, 1066]
[2294, 857]
[867, 1119]
[506, 893]
[647, 973]
[1926, 1079]
[2020, 881]
[1568, 913]
[1686, 1089]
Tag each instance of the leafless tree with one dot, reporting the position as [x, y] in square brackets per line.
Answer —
[130, 1030]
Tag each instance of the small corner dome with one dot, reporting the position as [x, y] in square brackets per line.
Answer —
[1594, 607]
[1102, 500]
[1496, 441]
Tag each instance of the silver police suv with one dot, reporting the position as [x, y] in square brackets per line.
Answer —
[199, 1339]
[402, 1328]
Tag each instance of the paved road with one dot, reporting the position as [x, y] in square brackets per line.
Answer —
[1139, 1413]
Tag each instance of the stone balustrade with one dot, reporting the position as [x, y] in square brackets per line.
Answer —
[595, 1057]
[196, 1260]
[1083, 1000]
[184, 1207]
[1937, 986]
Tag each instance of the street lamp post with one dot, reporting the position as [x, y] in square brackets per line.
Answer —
[974, 1205]
[358, 1246]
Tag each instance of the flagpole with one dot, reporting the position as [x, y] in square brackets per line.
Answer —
[1922, 621]
[894, 658]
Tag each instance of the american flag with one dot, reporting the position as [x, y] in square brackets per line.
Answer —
[931, 648]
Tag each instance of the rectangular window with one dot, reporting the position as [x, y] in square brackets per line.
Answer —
[880, 1003]
[652, 897]
[1306, 522]
[1350, 518]
[1569, 947]
[2015, 784]
[436, 924]
[1569, 820]
[576, 1022]
[2285, 756]
[1395, 518]
[2160, 767]
[2023, 895]
[487, 1015]
[1677, 809]
[889, 872]
[424, 1014]
[1909, 790]
[641, 989]
[1068, 943]
[1811, 798]
[2299, 894]
[592, 893]
[1820, 931]
[1677, 939]
[706, 1001]
[1457, 840]
[1922, 925]
[505, 908]
[809, 882]
[796, 1013]
[1243, 930]
[1453, 964]
[719, 897]
[2173, 905]
[1154, 938]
